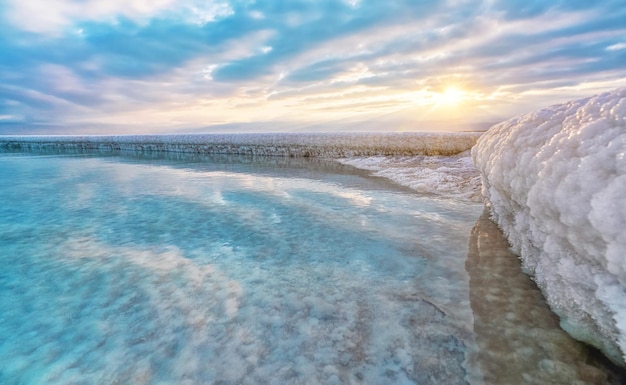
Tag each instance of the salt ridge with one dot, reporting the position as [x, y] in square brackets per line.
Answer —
[328, 145]
[556, 182]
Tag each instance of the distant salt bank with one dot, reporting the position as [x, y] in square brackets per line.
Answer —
[328, 145]
[431, 163]
[556, 182]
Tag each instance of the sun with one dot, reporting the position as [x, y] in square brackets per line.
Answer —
[451, 96]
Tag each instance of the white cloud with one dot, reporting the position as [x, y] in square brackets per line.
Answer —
[53, 16]
[257, 15]
[61, 78]
[353, 3]
[616, 47]
[205, 12]
[10, 117]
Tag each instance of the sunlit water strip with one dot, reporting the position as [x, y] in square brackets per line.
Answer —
[234, 270]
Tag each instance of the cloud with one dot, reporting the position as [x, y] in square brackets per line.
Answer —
[56, 16]
[229, 62]
[303, 26]
[616, 47]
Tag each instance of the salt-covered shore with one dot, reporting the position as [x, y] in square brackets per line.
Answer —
[452, 176]
[432, 163]
[328, 145]
[556, 182]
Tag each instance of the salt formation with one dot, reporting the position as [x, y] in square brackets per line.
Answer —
[329, 145]
[519, 338]
[431, 163]
[451, 176]
[556, 183]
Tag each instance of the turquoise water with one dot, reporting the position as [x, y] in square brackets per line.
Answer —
[235, 270]
[161, 271]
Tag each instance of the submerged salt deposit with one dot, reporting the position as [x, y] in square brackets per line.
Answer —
[556, 182]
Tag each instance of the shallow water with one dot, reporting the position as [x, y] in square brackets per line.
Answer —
[233, 270]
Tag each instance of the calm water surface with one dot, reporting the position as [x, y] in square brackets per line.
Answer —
[229, 270]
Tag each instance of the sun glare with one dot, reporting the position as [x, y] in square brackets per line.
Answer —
[451, 96]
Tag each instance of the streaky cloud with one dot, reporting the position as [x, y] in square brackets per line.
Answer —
[231, 62]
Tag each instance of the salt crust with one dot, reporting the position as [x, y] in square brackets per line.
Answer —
[556, 183]
[329, 145]
[449, 176]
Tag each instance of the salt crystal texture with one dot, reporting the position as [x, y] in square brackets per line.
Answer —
[556, 183]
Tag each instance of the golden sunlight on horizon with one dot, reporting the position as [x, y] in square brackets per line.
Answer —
[450, 102]
[451, 96]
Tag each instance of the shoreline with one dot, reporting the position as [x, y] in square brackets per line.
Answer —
[326, 145]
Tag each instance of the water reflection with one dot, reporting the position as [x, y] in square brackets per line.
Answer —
[519, 338]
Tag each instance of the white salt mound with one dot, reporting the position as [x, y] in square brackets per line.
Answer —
[556, 183]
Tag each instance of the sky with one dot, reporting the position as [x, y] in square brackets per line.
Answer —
[190, 66]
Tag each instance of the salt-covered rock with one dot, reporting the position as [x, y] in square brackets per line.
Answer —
[556, 183]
